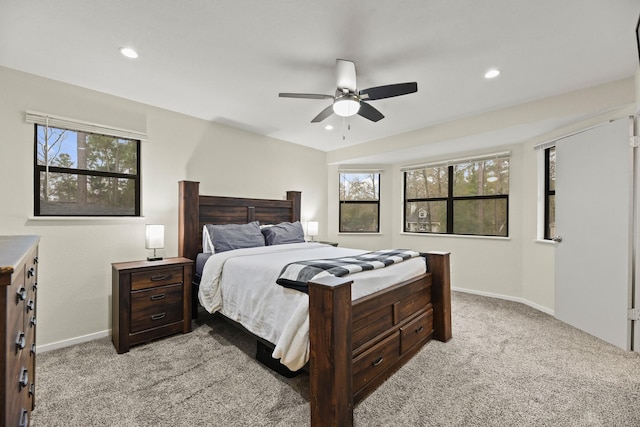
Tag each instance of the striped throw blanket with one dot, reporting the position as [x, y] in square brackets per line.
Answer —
[297, 274]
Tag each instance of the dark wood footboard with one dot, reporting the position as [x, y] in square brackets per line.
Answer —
[355, 346]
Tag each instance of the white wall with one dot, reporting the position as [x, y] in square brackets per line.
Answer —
[75, 255]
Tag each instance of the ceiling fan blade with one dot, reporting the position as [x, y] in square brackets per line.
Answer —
[323, 114]
[305, 95]
[346, 75]
[388, 91]
[368, 112]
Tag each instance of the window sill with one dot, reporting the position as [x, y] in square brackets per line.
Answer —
[545, 242]
[359, 234]
[100, 219]
[456, 236]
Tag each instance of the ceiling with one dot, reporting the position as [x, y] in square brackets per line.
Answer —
[226, 60]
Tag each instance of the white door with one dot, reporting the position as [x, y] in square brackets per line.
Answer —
[592, 262]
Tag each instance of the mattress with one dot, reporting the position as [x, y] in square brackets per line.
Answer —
[241, 285]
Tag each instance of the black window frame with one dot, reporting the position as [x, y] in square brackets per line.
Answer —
[358, 202]
[548, 192]
[450, 200]
[38, 169]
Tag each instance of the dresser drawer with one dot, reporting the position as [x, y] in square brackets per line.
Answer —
[156, 277]
[156, 306]
[375, 360]
[417, 330]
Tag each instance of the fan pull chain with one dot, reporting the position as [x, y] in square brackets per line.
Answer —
[348, 126]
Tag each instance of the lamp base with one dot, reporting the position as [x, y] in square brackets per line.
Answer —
[154, 258]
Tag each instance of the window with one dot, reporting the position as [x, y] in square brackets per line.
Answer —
[359, 202]
[468, 197]
[549, 193]
[79, 173]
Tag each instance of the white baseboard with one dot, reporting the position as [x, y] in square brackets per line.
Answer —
[72, 341]
[506, 297]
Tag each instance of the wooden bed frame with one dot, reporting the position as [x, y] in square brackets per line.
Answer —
[354, 345]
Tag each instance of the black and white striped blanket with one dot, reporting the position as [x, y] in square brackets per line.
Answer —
[297, 274]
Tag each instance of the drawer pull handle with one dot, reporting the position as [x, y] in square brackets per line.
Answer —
[31, 305]
[21, 341]
[32, 389]
[157, 297]
[35, 286]
[158, 316]
[377, 361]
[159, 277]
[31, 272]
[22, 294]
[35, 259]
[33, 348]
[420, 329]
[24, 418]
[32, 322]
[24, 378]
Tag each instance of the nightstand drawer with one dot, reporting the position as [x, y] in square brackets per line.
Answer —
[156, 277]
[156, 307]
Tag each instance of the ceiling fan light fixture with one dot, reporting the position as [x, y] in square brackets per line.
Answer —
[346, 106]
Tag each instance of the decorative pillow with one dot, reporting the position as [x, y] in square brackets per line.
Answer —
[235, 236]
[285, 232]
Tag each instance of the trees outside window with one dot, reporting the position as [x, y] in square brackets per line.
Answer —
[359, 202]
[470, 198]
[85, 174]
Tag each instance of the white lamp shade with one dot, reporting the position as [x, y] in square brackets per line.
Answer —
[312, 228]
[155, 236]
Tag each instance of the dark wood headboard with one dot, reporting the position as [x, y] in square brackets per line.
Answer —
[195, 211]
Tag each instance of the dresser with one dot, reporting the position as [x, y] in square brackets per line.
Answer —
[18, 290]
[151, 299]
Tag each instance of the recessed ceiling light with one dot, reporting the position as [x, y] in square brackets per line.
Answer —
[328, 127]
[492, 73]
[129, 52]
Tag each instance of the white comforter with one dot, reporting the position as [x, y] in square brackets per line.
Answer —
[241, 284]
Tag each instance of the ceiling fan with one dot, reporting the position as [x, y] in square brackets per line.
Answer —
[348, 101]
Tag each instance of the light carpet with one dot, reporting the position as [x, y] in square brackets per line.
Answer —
[507, 365]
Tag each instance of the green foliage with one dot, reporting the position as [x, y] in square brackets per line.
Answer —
[76, 157]
[428, 189]
[359, 202]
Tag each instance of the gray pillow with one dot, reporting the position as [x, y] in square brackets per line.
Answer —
[285, 232]
[235, 236]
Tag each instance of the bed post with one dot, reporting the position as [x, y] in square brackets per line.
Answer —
[188, 219]
[438, 265]
[330, 359]
[296, 198]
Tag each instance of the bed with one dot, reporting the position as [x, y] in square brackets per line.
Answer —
[354, 344]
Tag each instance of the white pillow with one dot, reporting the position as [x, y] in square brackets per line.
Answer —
[207, 244]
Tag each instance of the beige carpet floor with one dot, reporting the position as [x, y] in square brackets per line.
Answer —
[507, 365]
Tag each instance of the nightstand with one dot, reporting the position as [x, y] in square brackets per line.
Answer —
[150, 300]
